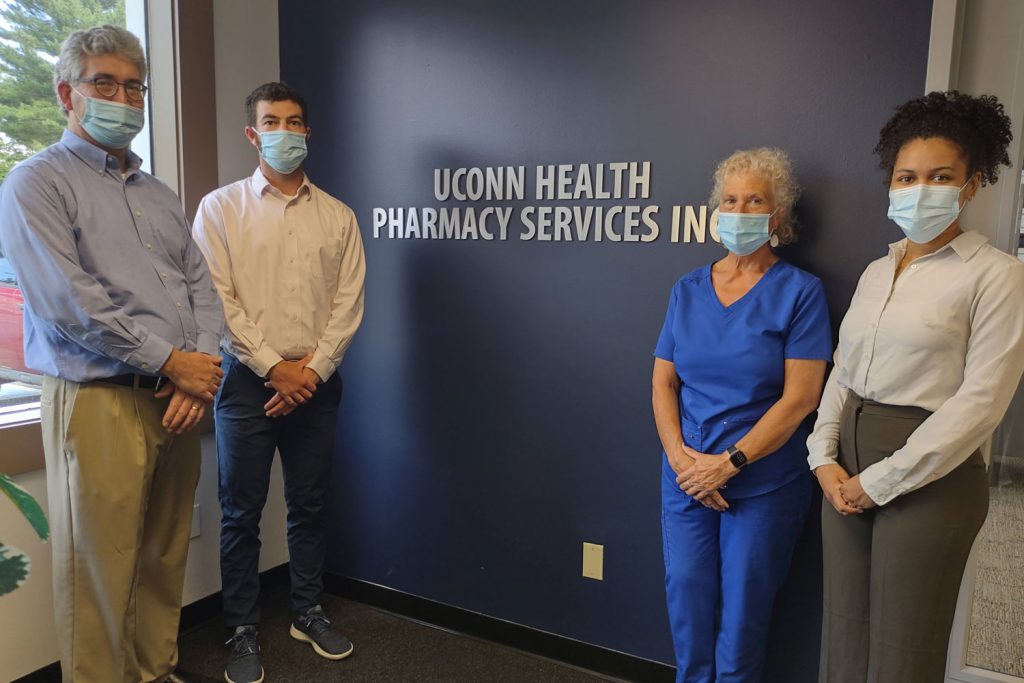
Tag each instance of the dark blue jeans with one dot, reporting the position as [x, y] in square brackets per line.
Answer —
[246, 440]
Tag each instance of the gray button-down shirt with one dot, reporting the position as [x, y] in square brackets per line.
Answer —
[111, 277]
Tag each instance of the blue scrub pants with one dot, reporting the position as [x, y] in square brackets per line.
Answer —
[246, 440]
[722, 572]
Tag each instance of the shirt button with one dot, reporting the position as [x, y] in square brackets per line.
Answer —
[913, 266]
[145, 365]
[178, 304]
[148, 245]
[163, 274]
[137, 212]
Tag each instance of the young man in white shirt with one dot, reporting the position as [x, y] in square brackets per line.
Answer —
[287, 260]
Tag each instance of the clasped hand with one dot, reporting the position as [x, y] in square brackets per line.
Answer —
[705, 476]
[194, 373]
[844, 492]
[294, 384]
[184, 410]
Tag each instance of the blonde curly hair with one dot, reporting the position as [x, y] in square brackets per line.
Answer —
[773, 165]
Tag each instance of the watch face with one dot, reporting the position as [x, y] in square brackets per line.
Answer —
[737, 457]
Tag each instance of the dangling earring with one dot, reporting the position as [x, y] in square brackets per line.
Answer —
[774, 240]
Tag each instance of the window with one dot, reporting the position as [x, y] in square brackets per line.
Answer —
[30, 36]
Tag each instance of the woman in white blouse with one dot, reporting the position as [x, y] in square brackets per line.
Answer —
[930, 354]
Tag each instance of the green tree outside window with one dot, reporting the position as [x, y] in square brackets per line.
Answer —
[31, 32]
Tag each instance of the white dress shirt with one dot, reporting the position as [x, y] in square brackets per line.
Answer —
[947, 336]
[289, 270]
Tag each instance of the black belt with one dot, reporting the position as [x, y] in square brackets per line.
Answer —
[133, 380]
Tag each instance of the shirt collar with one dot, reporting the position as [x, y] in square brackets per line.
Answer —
[261, 185]
[965, 245]
[97, 159]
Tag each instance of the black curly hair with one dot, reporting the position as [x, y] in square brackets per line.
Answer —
[977, 125]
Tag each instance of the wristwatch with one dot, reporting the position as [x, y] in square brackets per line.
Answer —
[737, 457]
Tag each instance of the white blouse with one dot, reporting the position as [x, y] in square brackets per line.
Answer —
[947, 336]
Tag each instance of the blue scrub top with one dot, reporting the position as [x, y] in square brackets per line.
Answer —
[731, 361]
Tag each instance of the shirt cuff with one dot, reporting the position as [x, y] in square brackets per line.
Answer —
[151, 355]
[208, 343]
[823, 453]
[880, 481]
[263, 360]
[321, 365]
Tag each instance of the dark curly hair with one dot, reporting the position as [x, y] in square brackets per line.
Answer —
[977, 125]
[272, 92]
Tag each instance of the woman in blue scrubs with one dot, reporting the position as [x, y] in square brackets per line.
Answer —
[738, 366]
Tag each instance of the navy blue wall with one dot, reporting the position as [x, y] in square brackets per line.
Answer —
[497, 401]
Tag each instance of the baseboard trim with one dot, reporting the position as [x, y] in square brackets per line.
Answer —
[440, 615]
[541, 643]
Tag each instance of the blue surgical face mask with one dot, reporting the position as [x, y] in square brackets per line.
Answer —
[923, 212]
[111, 124]
[743, 233]
[283, 150]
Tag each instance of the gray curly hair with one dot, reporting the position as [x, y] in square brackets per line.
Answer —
[91, 42]
[773, 165]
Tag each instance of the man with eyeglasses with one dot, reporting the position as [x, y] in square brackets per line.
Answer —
[122, 318]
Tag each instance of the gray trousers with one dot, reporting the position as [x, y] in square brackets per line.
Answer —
[892, 574]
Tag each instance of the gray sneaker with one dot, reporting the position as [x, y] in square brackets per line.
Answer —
[244, 663]
[314, 628]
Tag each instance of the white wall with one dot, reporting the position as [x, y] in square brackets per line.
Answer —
[991, 62]
[247, 55]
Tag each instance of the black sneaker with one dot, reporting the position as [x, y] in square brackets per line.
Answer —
[315, 628]
[244, 663]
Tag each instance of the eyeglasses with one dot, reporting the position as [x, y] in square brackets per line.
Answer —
[106, 86]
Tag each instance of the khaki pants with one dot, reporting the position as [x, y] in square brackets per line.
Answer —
[121, 489]
[892, 574]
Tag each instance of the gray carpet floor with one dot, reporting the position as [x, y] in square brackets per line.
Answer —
[996, 638]
[387, 648]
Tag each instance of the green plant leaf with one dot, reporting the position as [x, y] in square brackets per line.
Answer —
[14, 568]
[28, 506]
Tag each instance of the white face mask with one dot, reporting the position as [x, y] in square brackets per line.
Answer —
[923, 211]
